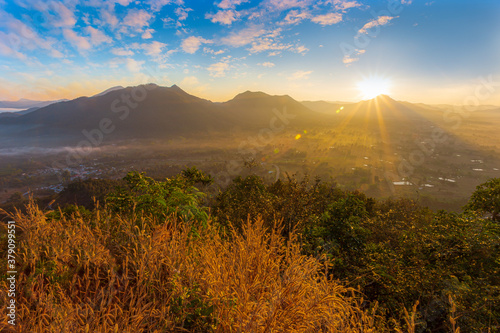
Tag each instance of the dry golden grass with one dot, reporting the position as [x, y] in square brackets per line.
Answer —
[113, 274]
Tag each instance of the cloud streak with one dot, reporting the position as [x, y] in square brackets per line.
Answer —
[380, 21]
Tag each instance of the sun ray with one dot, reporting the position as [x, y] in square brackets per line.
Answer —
[373, 86]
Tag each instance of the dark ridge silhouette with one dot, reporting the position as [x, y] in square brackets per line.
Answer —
[151, 111]
[27, 103]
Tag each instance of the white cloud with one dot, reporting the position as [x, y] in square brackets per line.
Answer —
[267, 64]
[243, 37]
[157, 5]
[300, 75]
[109, 17]
[153, 49]
[224, 17]
[267, 44]
[122, 52]
[137, 18]
[67, 18]
[147, 34]
[327, 19]
[345, 4]
[56, 54]
[134, 65]
[218, 69]
[210, 51]
[227, 4]
[352, 57]
[182, 13]
[301, 49]
[22, 36]
[288, 4]
[79, 41]
[193, 43]
[189, 81]
[294, 17]
[124, 3]
[97, 37]
[8, 51]
[381, 20]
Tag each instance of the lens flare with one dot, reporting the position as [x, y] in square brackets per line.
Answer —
[373, 86]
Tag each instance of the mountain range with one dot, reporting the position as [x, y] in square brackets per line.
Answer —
[147, 111]
[26, 104]
[152, 111]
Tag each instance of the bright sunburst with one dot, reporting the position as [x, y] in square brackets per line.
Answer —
[371, 87]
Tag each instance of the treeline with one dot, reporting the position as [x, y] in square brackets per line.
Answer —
[413, 269]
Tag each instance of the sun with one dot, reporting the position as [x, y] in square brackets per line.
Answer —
[371, 87]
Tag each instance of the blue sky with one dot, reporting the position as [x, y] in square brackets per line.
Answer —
[438, 51]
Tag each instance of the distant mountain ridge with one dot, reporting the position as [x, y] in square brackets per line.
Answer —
[108, 90]
[27, 103]
[151, 111]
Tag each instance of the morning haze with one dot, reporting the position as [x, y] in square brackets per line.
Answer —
[250, 166]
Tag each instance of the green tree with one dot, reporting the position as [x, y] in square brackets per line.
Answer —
[146, 196]
[486, 199]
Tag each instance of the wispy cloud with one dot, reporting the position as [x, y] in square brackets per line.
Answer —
[8, 51]
[97, 37]
[137, 18]
[122, 52]
[218, 69]
[193, 43]
[153, 49]
[345, 4]
[295, 16]
[80, 42]
[267, 44]
[224, 17]
[288, 4]
[147, 34]
[157, 5]
[134, 65]
[227, 4]
[243, 37]
[182, 13]
[327, 19]
[352, 57]
[267, 64]
[189, 81]
[381, 20]
[300, 75]
[66, 16]
[109, 17]
[22, 37]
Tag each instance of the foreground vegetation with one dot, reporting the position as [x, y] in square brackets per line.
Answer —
[291, 256]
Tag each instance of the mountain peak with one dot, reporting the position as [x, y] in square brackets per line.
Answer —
[250, 94]
[175, 87]
[382, 98]
[108, 90]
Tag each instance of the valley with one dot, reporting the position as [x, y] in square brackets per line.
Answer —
[382, 147]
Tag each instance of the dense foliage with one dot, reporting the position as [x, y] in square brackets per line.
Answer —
[417, 270]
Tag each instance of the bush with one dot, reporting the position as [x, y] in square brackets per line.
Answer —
[160, 199]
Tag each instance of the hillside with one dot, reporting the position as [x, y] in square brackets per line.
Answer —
[182, 255]
[161, 112]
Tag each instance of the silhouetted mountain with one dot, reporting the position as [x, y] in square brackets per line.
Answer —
[151, 111]
[323, 106]
[257, 109]
[108, 90]
[27, 103]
